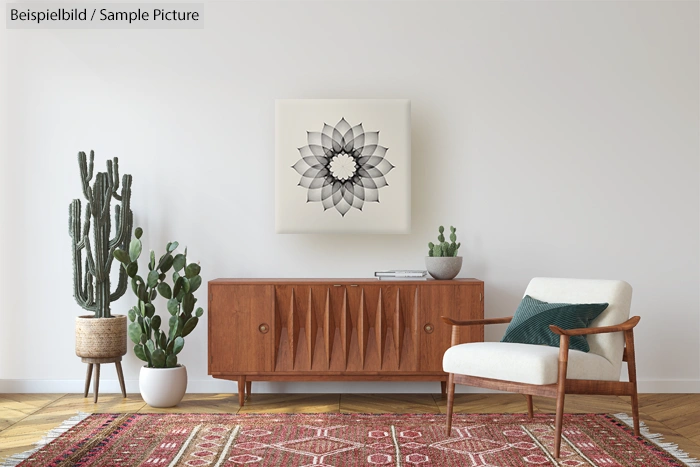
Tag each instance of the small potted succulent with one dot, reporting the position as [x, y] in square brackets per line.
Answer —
[162, 381]
[442, 261]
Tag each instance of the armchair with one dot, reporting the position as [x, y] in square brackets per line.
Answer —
[549, 371]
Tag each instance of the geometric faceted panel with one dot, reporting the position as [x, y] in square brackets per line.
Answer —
[343, 166]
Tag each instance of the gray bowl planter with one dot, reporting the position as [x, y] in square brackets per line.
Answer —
[443, 268]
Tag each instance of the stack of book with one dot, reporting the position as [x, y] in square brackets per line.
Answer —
[402, 274]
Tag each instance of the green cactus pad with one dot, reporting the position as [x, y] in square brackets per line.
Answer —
[166, 263]
[192, 270]
[158, 358]
[122, 256]
[132, 269]
[159, 347]
[134, 249]
[188, 303]
[135, 333]
[152, 279]
[139, 352]
[178, 344]
[195, 282]
[171, 361]
[173, 306]
[179, 262]
[164, 290]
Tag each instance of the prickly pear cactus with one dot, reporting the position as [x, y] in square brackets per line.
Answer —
[91, 285]
[443, 248]
[154, 344]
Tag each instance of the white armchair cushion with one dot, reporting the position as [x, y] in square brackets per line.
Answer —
[617, 294]
[524, 363]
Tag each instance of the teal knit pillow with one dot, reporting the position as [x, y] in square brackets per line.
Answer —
[530, 324]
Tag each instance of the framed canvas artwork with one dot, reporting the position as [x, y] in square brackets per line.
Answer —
[343, 166]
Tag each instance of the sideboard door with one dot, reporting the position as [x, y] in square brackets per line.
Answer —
[435, 301]
[241, 328]
[470, 305]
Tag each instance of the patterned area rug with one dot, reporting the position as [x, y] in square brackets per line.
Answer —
[347, 440]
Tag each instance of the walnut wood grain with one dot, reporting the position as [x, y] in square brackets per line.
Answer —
[632, 373]
[335, 329]
[235, 340]
[399, 326]
[311, 329]
[626, 326]
[380, 329]
[345, 327]
[328, 328]
[434, 302]
[476, 322]
[561, 391]
[362, 329]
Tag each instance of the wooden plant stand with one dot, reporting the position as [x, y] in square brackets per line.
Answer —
[96, 362]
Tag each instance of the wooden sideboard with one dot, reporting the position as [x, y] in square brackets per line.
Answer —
[336, 329]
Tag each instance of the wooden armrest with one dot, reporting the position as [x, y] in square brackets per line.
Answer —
[626, 326]
[477, 322]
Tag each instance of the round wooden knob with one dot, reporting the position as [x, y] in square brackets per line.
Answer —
[428, 328]
[263, 328]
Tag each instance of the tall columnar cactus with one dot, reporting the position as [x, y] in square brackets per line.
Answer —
[91, 287]
[443, 248]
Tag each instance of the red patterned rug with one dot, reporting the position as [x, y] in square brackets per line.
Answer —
[347, 440]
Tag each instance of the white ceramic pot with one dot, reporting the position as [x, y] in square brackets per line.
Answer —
[163, 387]
[443, 267]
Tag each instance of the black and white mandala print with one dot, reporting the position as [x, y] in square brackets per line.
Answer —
[343, 166]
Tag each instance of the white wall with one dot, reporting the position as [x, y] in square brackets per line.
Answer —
[561, 138]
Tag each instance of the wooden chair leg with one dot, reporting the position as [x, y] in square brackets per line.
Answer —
[120, 375]
[241, 390]
[88, 377]
[559, 421]
[561, 392]
[450, 401]
[248, 388]
[632, 371]
[96, 387]
[530, 410]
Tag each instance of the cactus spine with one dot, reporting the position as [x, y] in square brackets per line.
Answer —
[91, 286]
[443, 248]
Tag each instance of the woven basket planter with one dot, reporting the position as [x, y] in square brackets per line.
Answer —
[100, 337]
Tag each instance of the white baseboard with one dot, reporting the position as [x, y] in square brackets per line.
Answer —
[216, 386]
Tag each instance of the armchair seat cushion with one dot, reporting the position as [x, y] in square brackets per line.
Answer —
[524, 363]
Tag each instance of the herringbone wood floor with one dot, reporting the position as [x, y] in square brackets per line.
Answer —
[25, 418]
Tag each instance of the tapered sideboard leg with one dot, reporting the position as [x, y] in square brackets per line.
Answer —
[248, 388]
[443, 387]
[241, 390]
